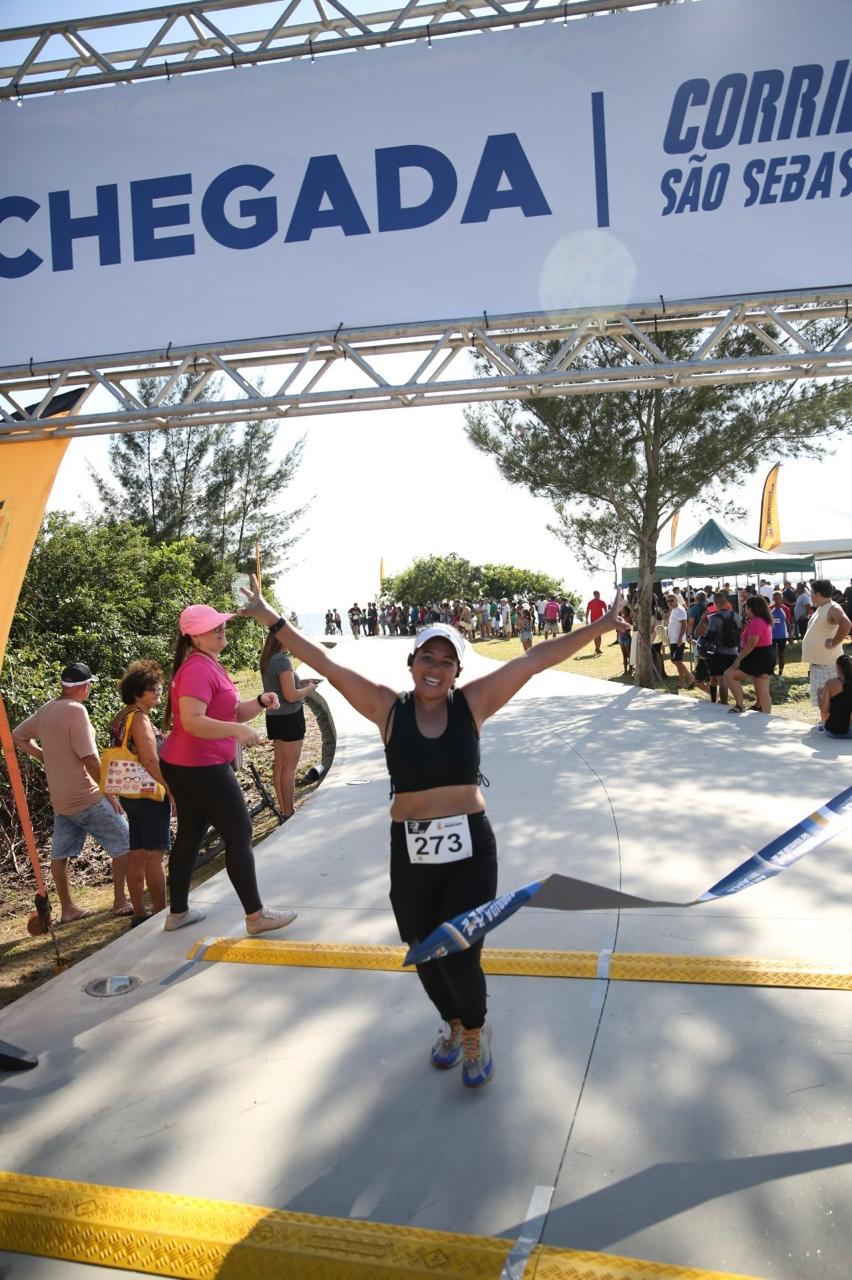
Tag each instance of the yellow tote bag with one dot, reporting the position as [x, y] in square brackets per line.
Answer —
[123, 775]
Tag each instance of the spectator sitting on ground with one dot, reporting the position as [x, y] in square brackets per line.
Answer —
[835, 706]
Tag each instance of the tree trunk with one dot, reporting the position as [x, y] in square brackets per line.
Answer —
[645, 675]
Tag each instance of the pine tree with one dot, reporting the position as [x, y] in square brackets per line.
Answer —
[157, 475]
[242, 497]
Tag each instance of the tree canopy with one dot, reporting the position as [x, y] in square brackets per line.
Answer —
[221, 484]
[106, 593]
[637, 457]
[451, 577]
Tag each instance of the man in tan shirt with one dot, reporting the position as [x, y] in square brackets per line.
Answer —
[72, 766]
[828, 627]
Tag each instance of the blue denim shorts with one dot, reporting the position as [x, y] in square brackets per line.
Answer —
[100, 821]
[149, 822]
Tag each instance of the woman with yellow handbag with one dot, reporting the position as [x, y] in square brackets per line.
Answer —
[133, 765]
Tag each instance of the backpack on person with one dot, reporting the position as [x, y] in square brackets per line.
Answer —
[724, 634]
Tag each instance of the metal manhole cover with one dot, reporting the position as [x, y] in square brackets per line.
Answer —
[117, 985]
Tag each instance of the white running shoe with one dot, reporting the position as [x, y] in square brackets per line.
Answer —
[191, 916]
[271, 918]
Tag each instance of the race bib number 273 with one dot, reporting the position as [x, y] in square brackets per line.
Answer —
[439, 840]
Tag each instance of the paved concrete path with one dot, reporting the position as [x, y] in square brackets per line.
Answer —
[705, 1126]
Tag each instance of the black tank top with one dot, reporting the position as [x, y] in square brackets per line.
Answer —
[840, 711]
[417, 763]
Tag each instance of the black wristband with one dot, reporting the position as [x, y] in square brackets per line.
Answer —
[260, 699]
[276, 626]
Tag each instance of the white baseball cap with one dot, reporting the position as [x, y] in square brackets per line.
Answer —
[440, 631]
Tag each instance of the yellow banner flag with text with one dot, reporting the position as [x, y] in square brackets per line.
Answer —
[27, 472]
[675, 519]
[770, 526]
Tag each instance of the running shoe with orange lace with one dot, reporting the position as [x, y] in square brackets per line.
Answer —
[477, 1063]
[447, 1049]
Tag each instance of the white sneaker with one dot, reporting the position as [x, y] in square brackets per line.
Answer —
[271, 918]
[192, 916]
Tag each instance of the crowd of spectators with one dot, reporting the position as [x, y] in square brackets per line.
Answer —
[717, 640]
[484, 619]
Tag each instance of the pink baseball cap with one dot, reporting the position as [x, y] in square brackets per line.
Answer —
[198, 618]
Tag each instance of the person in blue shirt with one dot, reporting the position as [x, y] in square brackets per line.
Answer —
[780, 614]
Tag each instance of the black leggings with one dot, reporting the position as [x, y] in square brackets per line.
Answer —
[423, 897]
[209, 795]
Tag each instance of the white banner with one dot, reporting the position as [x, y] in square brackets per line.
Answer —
[693, 151]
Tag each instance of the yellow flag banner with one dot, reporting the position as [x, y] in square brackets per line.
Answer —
[27, 472]
[770, 526]
[675, 519]
[381, 572]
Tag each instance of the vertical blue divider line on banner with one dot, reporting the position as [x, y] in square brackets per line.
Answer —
[599, 144]
[562, 893]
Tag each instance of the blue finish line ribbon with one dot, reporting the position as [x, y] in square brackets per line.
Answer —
[563, 893]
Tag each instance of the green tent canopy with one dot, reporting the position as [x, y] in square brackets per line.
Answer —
[714, 552]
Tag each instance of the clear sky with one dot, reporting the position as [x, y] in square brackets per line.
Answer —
[403, 483]
[398, 484]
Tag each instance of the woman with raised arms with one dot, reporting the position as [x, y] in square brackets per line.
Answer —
[443, 855]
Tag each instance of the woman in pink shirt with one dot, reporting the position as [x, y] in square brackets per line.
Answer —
[207, 719]
[756, 659]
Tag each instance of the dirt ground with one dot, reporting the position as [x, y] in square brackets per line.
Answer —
[26, 962]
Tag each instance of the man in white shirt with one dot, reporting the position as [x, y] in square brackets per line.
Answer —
[766, 590]
[822, 645]
[677, 639]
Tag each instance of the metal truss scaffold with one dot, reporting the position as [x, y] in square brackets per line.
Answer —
[181, 38]
[416, 366]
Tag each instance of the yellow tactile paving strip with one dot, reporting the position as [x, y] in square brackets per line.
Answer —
[719, 971]
[185, 1237]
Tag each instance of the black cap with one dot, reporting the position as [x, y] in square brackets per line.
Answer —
[76, 673]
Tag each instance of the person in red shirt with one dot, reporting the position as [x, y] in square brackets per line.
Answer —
[595, 609]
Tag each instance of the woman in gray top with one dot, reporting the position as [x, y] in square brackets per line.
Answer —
[285, 727]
